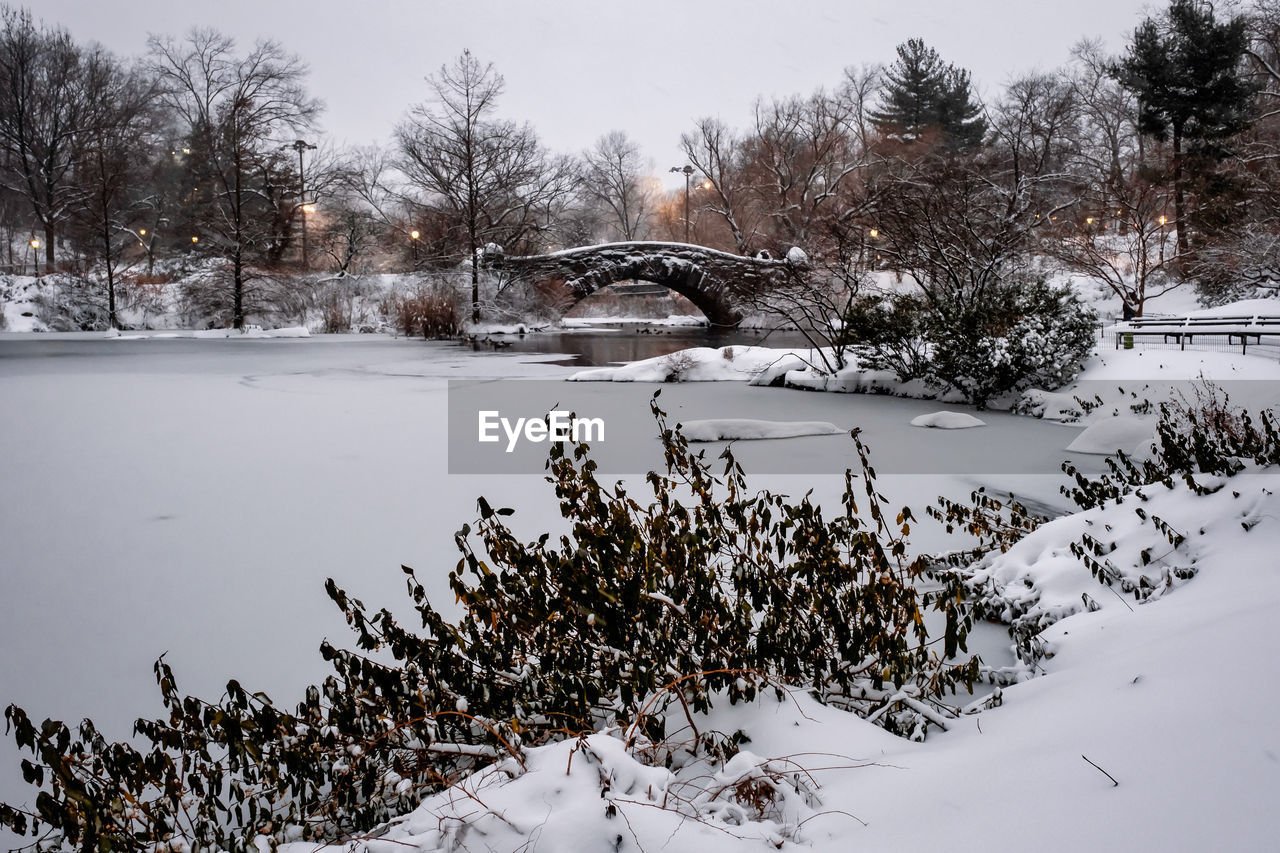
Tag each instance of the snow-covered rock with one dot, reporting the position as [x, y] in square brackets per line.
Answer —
[1119, 433]
[947, 420]
[731, 429]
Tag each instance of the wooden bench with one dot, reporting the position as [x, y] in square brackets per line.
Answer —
[1186, 329]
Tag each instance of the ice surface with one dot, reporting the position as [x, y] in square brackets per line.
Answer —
[190, 496]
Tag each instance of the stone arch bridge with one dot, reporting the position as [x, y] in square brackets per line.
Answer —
[719, 283]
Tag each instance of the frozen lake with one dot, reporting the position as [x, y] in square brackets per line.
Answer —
[190, 497]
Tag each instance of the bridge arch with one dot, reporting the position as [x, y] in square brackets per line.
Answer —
[720, 284]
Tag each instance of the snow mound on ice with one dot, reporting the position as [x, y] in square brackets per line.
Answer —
[729, 429]
[1118, 433]
[699, 364]
[947, 420]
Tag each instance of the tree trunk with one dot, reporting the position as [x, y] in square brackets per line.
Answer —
[472, 239]
[49, 236]
[1178, 208]
[475, 287]
[238, 292]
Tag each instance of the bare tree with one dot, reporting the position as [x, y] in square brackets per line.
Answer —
[1118, 234]
[233, 110]
[719, 154]
[614, 178]
[490, 177]
[804, 152]
[1034, 137]
[1127, 246]
[958, 226]
[112, 154]
[42, 105]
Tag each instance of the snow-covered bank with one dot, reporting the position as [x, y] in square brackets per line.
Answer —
[680, 320]
[1117, 393]
[701, 364]
[251, 331]
[1148, 726]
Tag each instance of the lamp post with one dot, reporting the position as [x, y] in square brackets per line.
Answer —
[688, 174]
[413, 241]
[35, 256]
[300, 146]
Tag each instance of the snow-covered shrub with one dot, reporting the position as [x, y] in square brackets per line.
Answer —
[1245, 266]
[433, 310]
[207, 296]
[677, 365]
[522, 301]
[889, 334]
[1019, 333]
[70, 303]
[344, 304]
[637, 618]
[1201, 435]
[1142, 531]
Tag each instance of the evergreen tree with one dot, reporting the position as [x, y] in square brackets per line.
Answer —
[923, 93]
[1186, 70]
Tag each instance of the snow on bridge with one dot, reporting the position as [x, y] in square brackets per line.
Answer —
[720, 284]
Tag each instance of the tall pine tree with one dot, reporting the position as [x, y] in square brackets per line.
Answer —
[922, 93]
[1186, 69]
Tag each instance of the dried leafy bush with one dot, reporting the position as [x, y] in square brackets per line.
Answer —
[643, 614]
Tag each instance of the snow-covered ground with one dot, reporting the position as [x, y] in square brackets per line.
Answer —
[190, 496]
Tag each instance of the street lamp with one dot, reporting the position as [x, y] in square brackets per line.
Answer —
[688, 174]
[300, 146]
[35, 256]
[413, 241]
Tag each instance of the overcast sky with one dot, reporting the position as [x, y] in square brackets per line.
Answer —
[579, 68]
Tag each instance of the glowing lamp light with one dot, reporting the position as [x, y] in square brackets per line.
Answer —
[195, 239]
[1088, 220]
[308, 208]
[413, 235]
[1163, 220]
[142, 232]
[875, 233]
[706, 185]
[35, 244]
